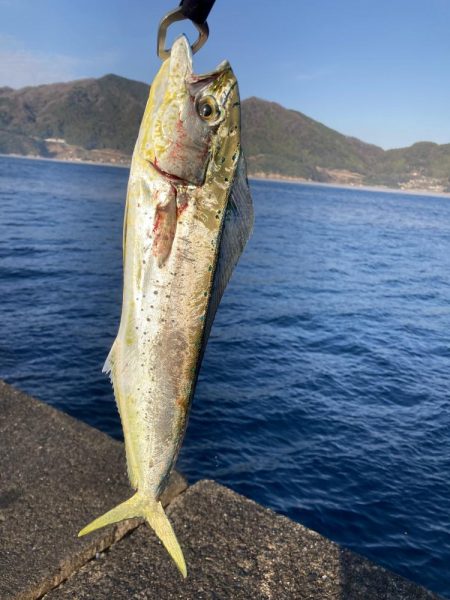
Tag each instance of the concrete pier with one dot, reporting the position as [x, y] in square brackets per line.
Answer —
[57, 474]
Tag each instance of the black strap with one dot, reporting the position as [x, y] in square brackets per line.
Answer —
[196, 10]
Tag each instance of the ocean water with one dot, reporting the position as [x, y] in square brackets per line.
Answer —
[324, 392]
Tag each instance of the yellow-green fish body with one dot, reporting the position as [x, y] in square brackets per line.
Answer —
[188, 217]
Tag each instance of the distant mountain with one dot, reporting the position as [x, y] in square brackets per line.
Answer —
[98, 119]
[93, 114]
[277, 140]
[423, 164]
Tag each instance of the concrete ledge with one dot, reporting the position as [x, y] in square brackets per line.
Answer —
[56, 475]
[236, 550]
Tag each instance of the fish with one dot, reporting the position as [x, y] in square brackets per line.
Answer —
[188, 216]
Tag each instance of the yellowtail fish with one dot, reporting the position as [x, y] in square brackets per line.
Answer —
[187, 219]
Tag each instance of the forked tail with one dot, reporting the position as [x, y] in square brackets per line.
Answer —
[153, 513]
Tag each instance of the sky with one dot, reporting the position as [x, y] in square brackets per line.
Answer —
[378, 70]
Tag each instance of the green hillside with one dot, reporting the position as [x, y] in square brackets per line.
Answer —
[98, 119]
[92, 113]
[286, 141]
[421, 160]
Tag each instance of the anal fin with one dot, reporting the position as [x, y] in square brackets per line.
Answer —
[110, 369]
[109, 362]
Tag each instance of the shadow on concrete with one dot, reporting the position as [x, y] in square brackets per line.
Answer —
[363, 580]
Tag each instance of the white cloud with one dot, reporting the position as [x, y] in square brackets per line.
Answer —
[311, 75]
[305, 76]
[20, 67]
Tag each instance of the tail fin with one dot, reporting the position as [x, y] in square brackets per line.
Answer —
[153, 513]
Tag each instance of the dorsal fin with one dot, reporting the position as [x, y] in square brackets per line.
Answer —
[236, 229]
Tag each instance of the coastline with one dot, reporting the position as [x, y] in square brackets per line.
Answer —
[256, 177]
[61, 160]
[362, 188]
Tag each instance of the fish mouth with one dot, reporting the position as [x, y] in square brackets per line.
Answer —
[180, 60]
[181, 63]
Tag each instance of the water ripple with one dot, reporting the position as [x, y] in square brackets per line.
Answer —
[324, 389]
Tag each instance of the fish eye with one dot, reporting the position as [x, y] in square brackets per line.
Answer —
[208, 109]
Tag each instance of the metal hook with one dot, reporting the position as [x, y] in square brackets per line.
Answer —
[172, 17]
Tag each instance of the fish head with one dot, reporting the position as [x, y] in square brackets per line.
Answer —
[188, 116]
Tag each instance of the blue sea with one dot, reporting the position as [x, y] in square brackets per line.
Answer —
[324, 391]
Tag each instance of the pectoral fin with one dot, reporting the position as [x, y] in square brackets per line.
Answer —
[164, 225]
